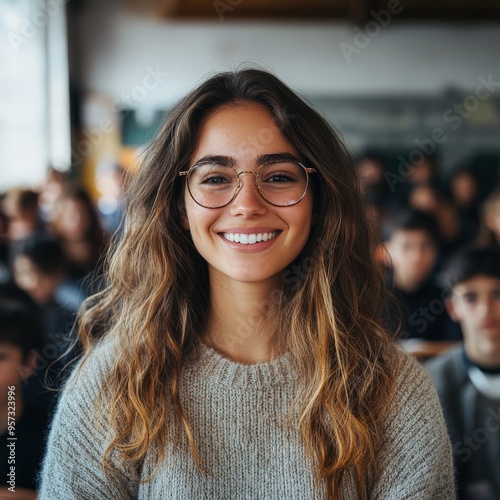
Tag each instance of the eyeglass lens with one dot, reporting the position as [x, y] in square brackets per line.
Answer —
[281, 184]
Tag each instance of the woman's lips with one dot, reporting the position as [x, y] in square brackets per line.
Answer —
[250, 241]
[249, 238]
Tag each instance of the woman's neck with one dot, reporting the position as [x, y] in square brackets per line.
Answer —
[242, 320]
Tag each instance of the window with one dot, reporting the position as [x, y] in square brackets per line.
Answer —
[34, 104]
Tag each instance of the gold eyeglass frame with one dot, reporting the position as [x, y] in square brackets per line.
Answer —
[308, 171]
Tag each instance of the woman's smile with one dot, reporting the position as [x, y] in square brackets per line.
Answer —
[249, 239]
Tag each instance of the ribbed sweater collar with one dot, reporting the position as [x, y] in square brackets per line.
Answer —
[216, 368]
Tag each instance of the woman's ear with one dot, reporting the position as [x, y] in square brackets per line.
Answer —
[183, 214]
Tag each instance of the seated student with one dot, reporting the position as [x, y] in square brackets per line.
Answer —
[20, 337]
[4, 248]
[374, 187]
[489, 231]
[39, 269]
[468, 378]
[412, 242]
[464, 187]
[429, 199]
[21, 207]
[77, 227]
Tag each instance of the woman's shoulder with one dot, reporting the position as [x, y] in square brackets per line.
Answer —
[415, 416]
[80, 434]
[82, 402]
[415, 407]
[92, 368]
[411, 377]
[415, 441]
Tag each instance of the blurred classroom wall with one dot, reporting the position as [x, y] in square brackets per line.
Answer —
[386, 86]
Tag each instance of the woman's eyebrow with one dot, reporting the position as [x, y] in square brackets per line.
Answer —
[225, 161]
[229, 161]
[276, 157]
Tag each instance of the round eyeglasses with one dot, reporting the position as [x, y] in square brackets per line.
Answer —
[282, 183]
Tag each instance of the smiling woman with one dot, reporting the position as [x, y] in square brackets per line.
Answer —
[211, 370]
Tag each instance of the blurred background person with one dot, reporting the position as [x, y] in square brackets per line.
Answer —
[412, 242]
[21, 337]
[49, 193]
[463, 185]
[429, 199]
[36, 391]
[77, 227]
[110, 182]
[4, 248]
[423, 172]
[468, 377]
[21, 208]
[40, 268]
[371, 169]
[489, 233]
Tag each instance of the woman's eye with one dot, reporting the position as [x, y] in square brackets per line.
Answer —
[279, 177]
[216, 179]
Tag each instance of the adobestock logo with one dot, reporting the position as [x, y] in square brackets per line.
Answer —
[222, 7]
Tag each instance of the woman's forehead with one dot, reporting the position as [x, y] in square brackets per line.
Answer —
[241, 131]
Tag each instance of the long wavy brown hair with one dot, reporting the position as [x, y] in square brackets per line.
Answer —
[156, 301]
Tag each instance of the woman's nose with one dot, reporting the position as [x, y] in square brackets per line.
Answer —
[248, 199]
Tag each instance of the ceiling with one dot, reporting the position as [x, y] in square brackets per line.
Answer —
[357, 11]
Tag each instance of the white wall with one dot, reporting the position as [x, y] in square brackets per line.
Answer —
[34, 111]
[117, 46]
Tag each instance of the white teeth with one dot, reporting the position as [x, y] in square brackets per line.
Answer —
[249, 239]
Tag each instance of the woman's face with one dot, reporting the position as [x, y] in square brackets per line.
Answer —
[243, 133]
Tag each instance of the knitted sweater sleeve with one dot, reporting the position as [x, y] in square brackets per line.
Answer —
[416, 457]
[72, 467]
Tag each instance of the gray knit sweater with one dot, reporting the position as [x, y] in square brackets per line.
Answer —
[237, 413]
